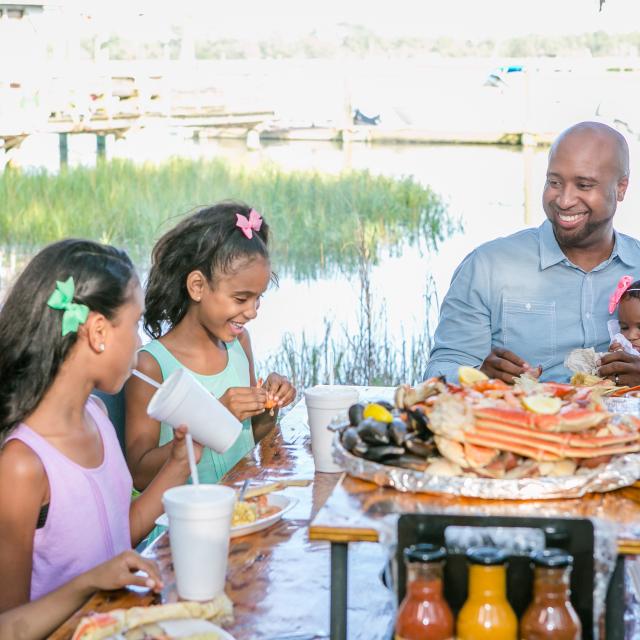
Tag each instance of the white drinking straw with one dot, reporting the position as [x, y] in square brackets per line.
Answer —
[192, 460]
[147, 379]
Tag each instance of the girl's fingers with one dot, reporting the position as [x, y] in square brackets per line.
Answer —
[138, 563]
[180, 432]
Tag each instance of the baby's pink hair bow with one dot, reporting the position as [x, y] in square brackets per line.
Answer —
[250, 224]
[622, 286]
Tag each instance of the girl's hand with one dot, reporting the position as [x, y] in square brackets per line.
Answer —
[179, 447]
[244, 402]
[121, 571]
[280, 389]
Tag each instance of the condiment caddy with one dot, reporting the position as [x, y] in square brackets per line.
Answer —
[518, 587]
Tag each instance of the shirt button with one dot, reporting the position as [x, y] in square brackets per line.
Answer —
[588, 315]
[528, 306]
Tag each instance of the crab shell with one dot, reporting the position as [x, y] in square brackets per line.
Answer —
[574, 433]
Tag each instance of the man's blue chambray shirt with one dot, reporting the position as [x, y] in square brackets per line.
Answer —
[522, 293]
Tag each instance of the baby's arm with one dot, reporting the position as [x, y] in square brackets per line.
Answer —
[23, 489]
[142, 433]
[39, 618]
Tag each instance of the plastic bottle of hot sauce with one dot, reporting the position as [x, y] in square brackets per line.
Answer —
[424, 613]
[486, 612]
[551, 616]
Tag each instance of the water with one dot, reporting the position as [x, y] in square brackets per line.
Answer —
[483, 186]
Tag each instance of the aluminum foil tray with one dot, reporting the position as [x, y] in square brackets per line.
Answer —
[621, 471]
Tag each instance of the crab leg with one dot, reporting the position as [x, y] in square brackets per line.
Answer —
[568, 439]
[532, 448]
[574, 420]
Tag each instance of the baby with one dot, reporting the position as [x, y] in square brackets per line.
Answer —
[625, 331]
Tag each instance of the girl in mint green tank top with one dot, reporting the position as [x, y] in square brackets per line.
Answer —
[212, 465]
[207, 277]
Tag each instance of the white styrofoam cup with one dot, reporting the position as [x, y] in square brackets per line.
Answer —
[199, 528]
[324, 402]
[181, 399]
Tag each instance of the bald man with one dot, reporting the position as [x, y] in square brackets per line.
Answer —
[523, 302]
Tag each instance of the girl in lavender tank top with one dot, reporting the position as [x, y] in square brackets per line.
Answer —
[69, 325]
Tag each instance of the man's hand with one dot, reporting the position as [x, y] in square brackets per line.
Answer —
[506, 365]
[621, 367]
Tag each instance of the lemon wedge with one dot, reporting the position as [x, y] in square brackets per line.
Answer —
[542, 404]
[377, 412]
[469, 375]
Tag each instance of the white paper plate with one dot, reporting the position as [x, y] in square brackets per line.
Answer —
[187, 627]
[284, 503]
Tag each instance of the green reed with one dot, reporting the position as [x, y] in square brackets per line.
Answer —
[313, 216]
[369, 356]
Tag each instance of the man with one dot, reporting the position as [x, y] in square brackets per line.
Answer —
[523, 302]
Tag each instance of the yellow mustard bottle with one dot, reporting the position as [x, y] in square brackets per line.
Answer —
[487, 614]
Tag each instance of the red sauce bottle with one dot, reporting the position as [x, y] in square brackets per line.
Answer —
[551, 616]
[424, 613]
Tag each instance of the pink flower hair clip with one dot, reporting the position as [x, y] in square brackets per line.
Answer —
[250, 224]
[621, 288]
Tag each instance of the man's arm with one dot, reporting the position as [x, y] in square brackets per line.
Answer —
[463, 334]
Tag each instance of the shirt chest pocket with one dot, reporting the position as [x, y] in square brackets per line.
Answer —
[529, 329]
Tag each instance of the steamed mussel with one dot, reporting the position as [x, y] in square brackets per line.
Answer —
[379, 432]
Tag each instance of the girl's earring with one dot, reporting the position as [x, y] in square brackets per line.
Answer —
[101, 347]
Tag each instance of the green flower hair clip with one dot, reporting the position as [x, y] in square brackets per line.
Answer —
[62, 299]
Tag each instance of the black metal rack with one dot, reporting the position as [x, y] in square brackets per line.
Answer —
[572, 534]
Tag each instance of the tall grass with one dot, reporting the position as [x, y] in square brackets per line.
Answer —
[368, 356]
[314, 216]
[321, 224]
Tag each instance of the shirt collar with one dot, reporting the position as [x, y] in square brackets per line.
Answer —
[550, 251]
[624, 248]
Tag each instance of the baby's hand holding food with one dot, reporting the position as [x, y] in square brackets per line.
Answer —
[121, 571]
[280, 390]
[244, 402]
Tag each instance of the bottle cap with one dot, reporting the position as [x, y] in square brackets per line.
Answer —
[486, 556]
[552, 558]
[424, 553]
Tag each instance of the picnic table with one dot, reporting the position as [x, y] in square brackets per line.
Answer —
[287, 584]
[277, 579]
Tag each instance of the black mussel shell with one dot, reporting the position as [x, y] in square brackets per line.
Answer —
[340, 428]
[373, 432]
[356, 413]
[398, 431]
[418, 447]
[387, 405]
[351, 439]
[419, 423]
[378, 454]
[408, 461]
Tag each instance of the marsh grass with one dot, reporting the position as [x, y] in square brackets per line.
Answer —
[369, 356]
[322, 224]
[313, 215]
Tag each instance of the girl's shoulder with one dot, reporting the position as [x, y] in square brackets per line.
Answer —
[19, 463]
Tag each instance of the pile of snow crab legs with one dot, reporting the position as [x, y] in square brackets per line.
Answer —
[483, 427]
